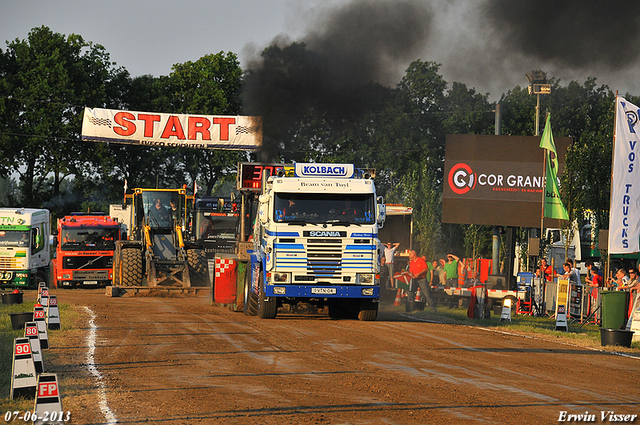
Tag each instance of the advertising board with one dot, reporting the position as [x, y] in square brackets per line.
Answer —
[496, 180]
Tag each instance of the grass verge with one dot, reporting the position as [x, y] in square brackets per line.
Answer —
[587, 335]
[69, 317]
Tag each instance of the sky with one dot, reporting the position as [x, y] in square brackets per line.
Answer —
[488, 45]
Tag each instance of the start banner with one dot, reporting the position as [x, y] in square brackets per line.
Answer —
[158, 129]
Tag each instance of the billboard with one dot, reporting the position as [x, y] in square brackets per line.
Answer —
[496, 180]
[179, 130]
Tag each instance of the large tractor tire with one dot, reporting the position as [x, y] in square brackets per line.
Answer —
[131, 267]
[250, 307]
[267, 306]
[368, 310]
[198, 270]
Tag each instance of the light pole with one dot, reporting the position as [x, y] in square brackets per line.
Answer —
[538, 85]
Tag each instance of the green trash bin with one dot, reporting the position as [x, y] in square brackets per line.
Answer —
[614, 309]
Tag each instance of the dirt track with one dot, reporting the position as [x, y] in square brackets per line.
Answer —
[183, 361]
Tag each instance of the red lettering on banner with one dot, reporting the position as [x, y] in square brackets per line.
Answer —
[224, 126]
[48, 390]
[148, 123]
[199, 125]
[124, 119]
[173, 128]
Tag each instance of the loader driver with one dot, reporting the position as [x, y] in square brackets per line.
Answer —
[159, 215]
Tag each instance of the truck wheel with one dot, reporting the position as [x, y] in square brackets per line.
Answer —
[368, 310]
[250, 307]
[198, 271]
[267, 306]
[131, 267]
[41, 276]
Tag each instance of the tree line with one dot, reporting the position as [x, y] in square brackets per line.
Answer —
[48, 78]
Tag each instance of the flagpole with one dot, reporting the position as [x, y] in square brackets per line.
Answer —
[544, 185]
[613, 152]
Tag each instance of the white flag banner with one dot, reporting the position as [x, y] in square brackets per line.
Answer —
[624, 215]
[156, 129]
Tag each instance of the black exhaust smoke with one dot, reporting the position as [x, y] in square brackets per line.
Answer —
[328, 70]
[569, 33]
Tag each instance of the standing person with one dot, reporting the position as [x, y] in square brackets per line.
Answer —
[418, 269]
[595, 282]
[434, 271]
[545, 269]
[571, 273]
[451, 270]
[632, 285]
[389, 255]
[385, 280]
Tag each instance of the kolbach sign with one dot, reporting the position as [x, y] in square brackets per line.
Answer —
[496, 180]
[156, 129]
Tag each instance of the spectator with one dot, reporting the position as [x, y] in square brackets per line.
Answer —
[389, 256]
[451, 270]
[618, 281]
[418, 269]
[434, 271]
[547, 270]
[571, 274]
[595, 282]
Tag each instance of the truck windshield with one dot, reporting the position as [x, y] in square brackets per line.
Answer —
[14, 238]
[324, 208]
[162, 209]
[210, 225]
[88, 239]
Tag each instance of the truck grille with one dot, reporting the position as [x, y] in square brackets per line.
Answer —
[88, 262]
[9, 263]
[324, 259]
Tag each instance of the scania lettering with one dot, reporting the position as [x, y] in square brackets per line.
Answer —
[24, 247]
[84, 250]
[315, 241]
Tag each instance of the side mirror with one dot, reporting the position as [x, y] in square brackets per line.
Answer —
[263, 213]
[381, 209]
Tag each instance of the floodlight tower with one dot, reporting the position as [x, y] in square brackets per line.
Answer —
[538, 85]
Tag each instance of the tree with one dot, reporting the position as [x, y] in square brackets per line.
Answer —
[46, 81]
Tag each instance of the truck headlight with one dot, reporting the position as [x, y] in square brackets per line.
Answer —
[365, 279]
[282, 277]
[367, 291]
[279, 290]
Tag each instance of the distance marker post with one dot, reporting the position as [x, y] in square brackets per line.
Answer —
[48, 405]
[31, 332]
[53, 314]
[23, 371]
[39, 318]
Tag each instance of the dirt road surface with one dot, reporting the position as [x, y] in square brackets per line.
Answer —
[183, 361]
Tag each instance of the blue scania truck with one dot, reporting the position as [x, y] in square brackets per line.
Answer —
[315, 240]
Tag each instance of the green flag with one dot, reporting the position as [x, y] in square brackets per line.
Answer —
[553, 207]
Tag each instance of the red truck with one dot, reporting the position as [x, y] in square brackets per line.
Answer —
[84, 250]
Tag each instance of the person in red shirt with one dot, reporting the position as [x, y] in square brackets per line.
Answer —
[548, 271]
[418, 269]
[594, 280]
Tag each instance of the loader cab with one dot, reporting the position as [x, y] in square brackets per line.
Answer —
[161, 210]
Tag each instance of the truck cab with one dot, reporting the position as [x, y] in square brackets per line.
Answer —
[25, 238]
[84, 250]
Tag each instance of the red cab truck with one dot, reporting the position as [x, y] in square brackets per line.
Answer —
[84, 250]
